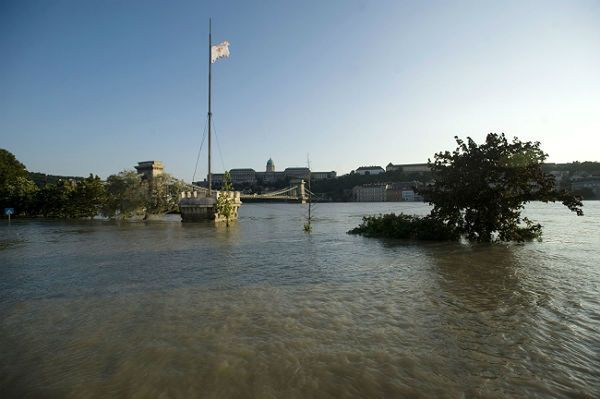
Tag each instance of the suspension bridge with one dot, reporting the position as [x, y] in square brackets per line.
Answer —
[297, 193]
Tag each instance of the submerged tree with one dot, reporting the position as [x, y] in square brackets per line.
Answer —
[126, 195]
[16, 188]
[88, 198]
[224, 201]
[163, 194]
[54, 200]
[479, 191]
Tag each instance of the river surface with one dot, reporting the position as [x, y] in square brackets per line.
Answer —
[97, 309]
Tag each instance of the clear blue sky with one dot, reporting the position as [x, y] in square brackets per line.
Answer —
[95, 86]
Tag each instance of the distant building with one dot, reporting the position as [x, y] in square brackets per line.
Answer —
[150, 169]
[250, 176]
[386, 192]
[243, 176]
[269, 177]
[559, 174]
[369, 170]
[592, 183]
[217, 178]
[299, 173]
[323, 175]
[369, 192]
[408, 168]
[402, 191]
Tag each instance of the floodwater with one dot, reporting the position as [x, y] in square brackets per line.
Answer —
[97, 309]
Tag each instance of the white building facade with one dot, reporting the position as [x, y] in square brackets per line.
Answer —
[369, 170]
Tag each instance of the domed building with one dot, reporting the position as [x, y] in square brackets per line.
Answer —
[270, 165]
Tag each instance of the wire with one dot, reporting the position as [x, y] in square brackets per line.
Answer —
[219, 146]
[200, 150]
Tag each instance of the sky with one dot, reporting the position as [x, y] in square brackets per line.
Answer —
[96, 86]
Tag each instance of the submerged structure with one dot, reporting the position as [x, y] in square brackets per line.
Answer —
[198, 206]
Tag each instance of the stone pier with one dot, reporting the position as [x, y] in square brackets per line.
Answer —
[199, 206]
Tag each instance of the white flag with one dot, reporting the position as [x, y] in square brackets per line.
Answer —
[218, 51]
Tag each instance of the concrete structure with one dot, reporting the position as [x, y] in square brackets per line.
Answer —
[150, 169]
[369, 170]
[196, 206]
[270, 165]
[408, 168]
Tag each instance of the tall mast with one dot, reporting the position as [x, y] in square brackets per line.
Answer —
[209, 112]
[309, 192]
[307, 226]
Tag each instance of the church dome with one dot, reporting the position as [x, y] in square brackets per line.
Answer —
[270, 165]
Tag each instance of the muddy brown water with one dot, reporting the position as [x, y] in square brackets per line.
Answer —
[98, 309]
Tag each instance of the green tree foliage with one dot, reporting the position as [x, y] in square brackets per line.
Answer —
[479, 191]
[54, 200]
[16, 188]
[163, 194]
[406, 227]
[10, 167]
[174, 189]
[224, 202]
[87, 199]
[126, 195]
[18, 193]
[157, 198]
[130, 195]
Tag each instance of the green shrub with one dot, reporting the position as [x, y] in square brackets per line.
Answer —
[406, 227]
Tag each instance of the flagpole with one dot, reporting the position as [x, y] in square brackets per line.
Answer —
[209, 112]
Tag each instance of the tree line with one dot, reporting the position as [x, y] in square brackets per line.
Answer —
[123, 195]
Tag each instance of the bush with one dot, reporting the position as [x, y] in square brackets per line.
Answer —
[405, 226]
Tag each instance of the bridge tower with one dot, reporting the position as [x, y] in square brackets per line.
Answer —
[302, 192]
